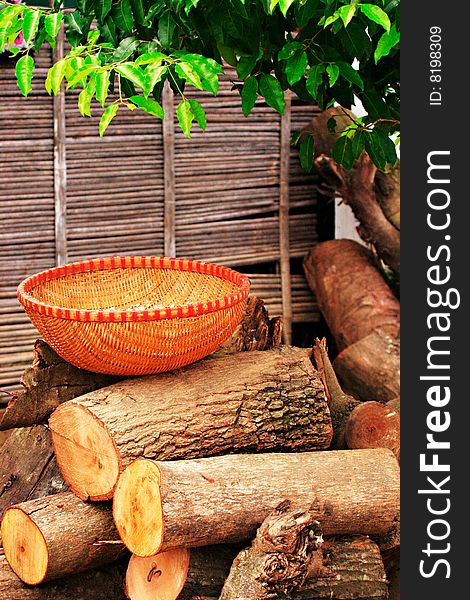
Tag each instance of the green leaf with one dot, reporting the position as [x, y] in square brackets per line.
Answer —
[102, 86]
[358, 143]
[130, 71]
[138, 11]
[31, 20]
[199, 114]
[55, 75]
[246, 65]
[315, 79]
[80, 76]
[375, 150]
[150, 106]
[376, 14]
[166, 30]
[207, 69]
[347, 13]
[85, 97]
[249, 94]
[153, 74]
[228, 54]
[307, 152]
[107, 117]
[295, 67]
[333, 73]
[24, 73]
[355, 40]
[342, 152]
[388, 147]
[102, 8]
[289, 50]
[108, 31]
[270, 89]
[52, 23]
[295, 137]
[304, 12]
[122, 15]
[386, 43]
[284, 5]
[125, 49]
[151, 58]
[331, 125]
[186, 71]
[350, 74]
[185, 117]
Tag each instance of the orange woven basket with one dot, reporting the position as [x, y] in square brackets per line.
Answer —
[135, 315]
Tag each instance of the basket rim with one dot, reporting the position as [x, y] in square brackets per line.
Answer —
[131, 262]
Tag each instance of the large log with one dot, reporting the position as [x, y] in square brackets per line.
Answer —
[163, 505]
[370, 368]
[58, 535]
[106, 582]
[29, 469]
[373, 425]
[47, 383]
[252, 401]
[351, 293]
[285, 551]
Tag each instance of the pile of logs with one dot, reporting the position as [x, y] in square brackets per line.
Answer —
[245, 476]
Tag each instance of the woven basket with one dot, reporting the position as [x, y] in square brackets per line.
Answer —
[135, 315]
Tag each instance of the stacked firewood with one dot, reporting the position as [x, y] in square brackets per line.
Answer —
[216, 481]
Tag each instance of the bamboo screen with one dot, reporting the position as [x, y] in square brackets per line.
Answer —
[235, 195]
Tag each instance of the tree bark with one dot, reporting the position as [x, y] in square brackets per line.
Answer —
[370, 368]
[97, 584]
[163, 505]
[341, 405]
[285, 551]
[374, 425]
[58, 535]
[47, 383]
[253, 401]
[29, 469]
[351, 293]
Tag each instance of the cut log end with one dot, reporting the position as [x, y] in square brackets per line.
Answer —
[24, 546]
[139, 514]
[374, 425]
[162, 576]
[87, 455]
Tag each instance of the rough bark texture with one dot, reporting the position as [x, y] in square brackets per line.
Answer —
[370, 368]
[256, 330]
[98, 584]
[387, 191]
[162, 505]
[374, 425]
[253, 401]
[29, 469]
[47, 383]
[341, 405]
[285, 551]
[351, 293]
[77, 536]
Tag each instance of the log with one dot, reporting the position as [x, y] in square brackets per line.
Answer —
[58, 535]
[29, 469]
[370, 368]
[158, 506]
[205, 574]
[285, 551]
[253, 401]
[341, 405]
[373, 425]
[47, 383]
[351, 293]
[97, 584]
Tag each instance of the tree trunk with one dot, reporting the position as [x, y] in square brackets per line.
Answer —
[58, 535]
[253, 401]
[163, 505]
[47, 383]
[97, 584]
[370, 368]
[285, 551]
[150, 577]
[29, 469]
[374, 425]
[351, 293]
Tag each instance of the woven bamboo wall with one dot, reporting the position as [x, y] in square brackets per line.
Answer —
[143, 190]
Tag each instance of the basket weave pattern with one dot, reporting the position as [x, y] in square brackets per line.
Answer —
[135, 315]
